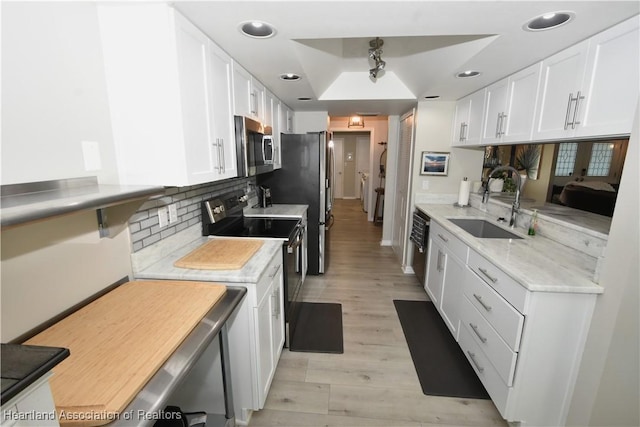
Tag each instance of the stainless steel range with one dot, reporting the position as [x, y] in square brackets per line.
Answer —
[223, 216]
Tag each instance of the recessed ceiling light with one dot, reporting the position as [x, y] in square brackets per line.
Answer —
[304, 98]
[432, 97]
[257, 29]
[468, 73]
[548, 21]
[289, 77]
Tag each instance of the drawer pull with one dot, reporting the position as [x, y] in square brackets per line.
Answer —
[475, 362]
[475, 329]
[486, 273]
[275, 271]
[482, 303]
[442, 237]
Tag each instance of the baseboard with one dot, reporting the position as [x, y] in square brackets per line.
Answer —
[385, 243]
[408, 269]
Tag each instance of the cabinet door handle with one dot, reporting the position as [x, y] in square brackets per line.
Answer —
[222, 160]
[566, 118]
[498, 125]
[576, 111]
[472, 356]
[475, 329]
[461, 138]
[442, 237]
[439, 266]
[502, 125]
[482, 303]
[486, 273]
[276, 303]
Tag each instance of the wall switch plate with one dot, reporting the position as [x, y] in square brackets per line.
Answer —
[425, 184]
[173, 213]
[163, 216]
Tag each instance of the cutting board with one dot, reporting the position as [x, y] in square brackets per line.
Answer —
[220, 254]
[118, 342]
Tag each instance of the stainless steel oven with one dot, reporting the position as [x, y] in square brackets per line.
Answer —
[254, 147]
[293, 281]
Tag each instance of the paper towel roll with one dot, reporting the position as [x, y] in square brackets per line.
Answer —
[463, 192]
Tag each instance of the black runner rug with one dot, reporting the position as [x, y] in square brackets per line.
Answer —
[319, 328]
[442, 368]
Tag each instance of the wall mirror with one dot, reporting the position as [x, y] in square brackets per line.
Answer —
[581, 175]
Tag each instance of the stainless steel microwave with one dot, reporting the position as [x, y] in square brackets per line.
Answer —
[254, 147]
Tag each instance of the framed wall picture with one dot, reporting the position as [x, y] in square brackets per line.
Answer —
[434, 163]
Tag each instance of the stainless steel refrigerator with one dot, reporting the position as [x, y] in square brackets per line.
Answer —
[307, 177]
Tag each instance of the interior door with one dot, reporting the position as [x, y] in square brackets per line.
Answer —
[338, 144]
[399, 239]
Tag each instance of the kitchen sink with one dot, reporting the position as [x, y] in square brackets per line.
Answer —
[483, 229]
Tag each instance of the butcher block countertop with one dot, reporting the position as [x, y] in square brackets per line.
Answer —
[216, 254]
[118, 342]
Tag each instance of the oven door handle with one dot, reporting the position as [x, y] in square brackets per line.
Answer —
[295, 245]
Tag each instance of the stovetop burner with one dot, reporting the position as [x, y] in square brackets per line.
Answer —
[223, 217]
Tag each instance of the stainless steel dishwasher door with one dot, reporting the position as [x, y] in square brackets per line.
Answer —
[420, 239]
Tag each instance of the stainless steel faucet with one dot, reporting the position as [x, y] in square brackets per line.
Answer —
[515, 207]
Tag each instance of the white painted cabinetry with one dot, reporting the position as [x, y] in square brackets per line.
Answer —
[272, 114]
[249, 94]
[169, 95]
[286, 119]
[445, 274]
[525, 346]
[258, 335]
[510, 107]
[34, 401]
[467, 124]
[591, 89]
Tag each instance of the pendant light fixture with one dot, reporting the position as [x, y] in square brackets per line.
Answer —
[375, 53]
[356, 122]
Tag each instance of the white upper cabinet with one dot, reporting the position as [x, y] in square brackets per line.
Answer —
[241, 91]
[510, 107]
[591, 89]
[249, 94]
[611, 81]
[467, 124]
[222, 111]
[169, 97]
[495, 112]
[286, 119]
[272, 106]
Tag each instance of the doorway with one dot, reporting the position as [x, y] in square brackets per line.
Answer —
[352, 151]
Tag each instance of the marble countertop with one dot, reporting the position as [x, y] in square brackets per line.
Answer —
[160, 266]
[278, 211]
[536, 262]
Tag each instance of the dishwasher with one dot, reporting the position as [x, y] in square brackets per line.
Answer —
[420, 238]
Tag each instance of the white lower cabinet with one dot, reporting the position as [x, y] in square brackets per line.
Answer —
[445, 274]
[34, 401]
[525, 346]
[259, 333]
[256, 340]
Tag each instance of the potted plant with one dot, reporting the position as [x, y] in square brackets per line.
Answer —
[528, 159]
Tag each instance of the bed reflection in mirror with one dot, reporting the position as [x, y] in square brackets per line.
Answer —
[581, 175]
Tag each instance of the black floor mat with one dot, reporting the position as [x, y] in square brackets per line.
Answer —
[443, 369]
[319, 328]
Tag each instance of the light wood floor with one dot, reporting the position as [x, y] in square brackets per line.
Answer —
[374, 382]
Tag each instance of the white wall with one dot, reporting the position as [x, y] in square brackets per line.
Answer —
[607, 388]
[53, 92]
[49, 266]
[310, 121]
[433, 133]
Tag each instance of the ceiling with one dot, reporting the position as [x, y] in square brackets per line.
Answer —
[425, 44]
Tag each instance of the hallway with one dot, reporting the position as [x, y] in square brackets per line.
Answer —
[374, 381]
